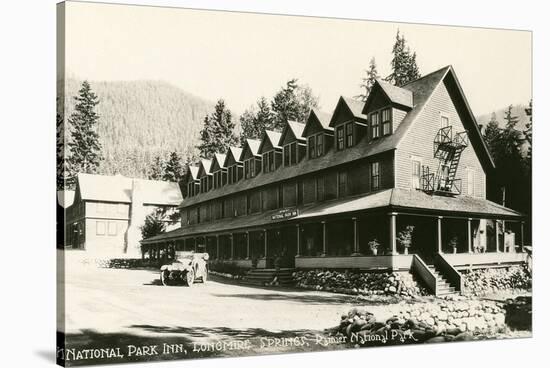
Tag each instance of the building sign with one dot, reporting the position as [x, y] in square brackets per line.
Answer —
[285, 214]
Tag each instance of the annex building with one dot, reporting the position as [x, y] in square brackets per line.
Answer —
[340, 190]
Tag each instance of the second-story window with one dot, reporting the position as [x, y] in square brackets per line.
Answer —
[293, 153]
[311, 147]
[190, 188]
[271, 157]
[265, 162]
[340, 137]
[444, 121]
[415, 180]
[286, 155]
[250, 168]
[204, 184]
[349, 134]
[375, 125]
[320, 146]
[386, 121]
[375, 176]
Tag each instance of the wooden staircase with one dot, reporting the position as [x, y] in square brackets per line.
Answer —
[269, 277]
[443, 286]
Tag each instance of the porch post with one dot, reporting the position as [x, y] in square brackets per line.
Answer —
[439, 239]
[393, 230]
[497, 236]
[248, 245]
[355, 237]
[298, 240]
[324, 223]
[521, 239]
[469, 235]
[265, 243]
[217, 246]
[232, 246]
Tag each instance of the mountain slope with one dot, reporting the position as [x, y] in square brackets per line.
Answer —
[517, 110]
[141, 119]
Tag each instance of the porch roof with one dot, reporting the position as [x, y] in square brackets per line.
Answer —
[401, 200]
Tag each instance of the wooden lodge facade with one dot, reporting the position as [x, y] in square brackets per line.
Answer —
[318, 193]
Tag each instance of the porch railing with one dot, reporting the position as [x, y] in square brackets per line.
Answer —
[421, 270]
[451, 274]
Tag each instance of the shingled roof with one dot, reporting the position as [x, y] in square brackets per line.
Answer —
[395, 199]
[118, 188]
[220, 159]
[397, 95]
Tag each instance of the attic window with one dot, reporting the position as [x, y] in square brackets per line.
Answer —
[375, 125]
[349, 135]
[340, 137]
[444, 120]
[386, 121]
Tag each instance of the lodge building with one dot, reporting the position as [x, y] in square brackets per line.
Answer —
[338, 190]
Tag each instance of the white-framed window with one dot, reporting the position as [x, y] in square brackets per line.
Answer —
[386, 121]
[470, 182]
[311, 147]
[375, 176]
[100, 228]
[416, 167]
[349, 135]
[375, 125]
[112, 228]
[340, 137]
[320, 144]
[444, 120]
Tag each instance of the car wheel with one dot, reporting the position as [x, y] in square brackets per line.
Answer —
[204, 276]
[190, 277]
[164, 277]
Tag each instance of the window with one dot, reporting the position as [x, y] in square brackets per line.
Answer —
[342, 184]
[311, 147]
[286, 155]
[415, 174]
[444, 179]
[375, 175]
[204, 184]
[100, 228]
[247, 169]
[340, 137]
[265, 162]
[349, 134]
[444, 121]
[320, 148]
[386, 121]
[112, 228]
[190, 189]
[470, 182]
[293, 153]
[271, 156]
[375, 125]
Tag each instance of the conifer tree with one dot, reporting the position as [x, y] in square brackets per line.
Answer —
[84, 147]
[292, 102]
[61, 159]
[173, 170]
[491, 134]
[403, 64]
[158, 168]
[368, 81]
[256, 120]
[218, 132]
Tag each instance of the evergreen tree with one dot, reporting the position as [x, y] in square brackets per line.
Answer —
[256, 120]
[61, 158]
[292, 102]
[528, 132]
[491, 134]
[173, 170]
[157, 170]
[403, 64]
[218, 132]
[367, 82]
[84, 147]
[154, 225]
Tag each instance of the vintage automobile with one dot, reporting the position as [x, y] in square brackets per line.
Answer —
[186, 269]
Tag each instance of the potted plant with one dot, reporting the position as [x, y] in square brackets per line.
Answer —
[373, 246]
[404, 237]
[453, 243]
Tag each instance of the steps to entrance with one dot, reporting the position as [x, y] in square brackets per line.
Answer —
[443, 286]
[269, 276]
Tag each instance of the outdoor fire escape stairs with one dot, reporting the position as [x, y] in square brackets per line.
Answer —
[448, 150]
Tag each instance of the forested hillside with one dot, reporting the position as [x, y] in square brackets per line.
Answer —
[141, 119]
[517, 110]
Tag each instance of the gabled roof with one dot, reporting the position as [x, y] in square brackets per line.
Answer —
[119, 188]
[396, 95]
[270, 138]
[234, 153]
[295, 129]
[193, 172]
[218, 161]
[204, 167]
[253, 146]
[354, 107]
[317, 120]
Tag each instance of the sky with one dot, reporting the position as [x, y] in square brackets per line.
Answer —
[242, 56]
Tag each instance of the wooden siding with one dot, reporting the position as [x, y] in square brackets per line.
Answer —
[397, 117]
[418, 143]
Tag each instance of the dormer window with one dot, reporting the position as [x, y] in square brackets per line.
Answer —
[268, 160]
[315, 145]
[375, 125]
[232, 173]
[204, 184]
[340, 137]
[349, 135]
[386, 121]
[320, 145]
[250, 168]
[311, 147]
[290, 154]
[190, 189]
